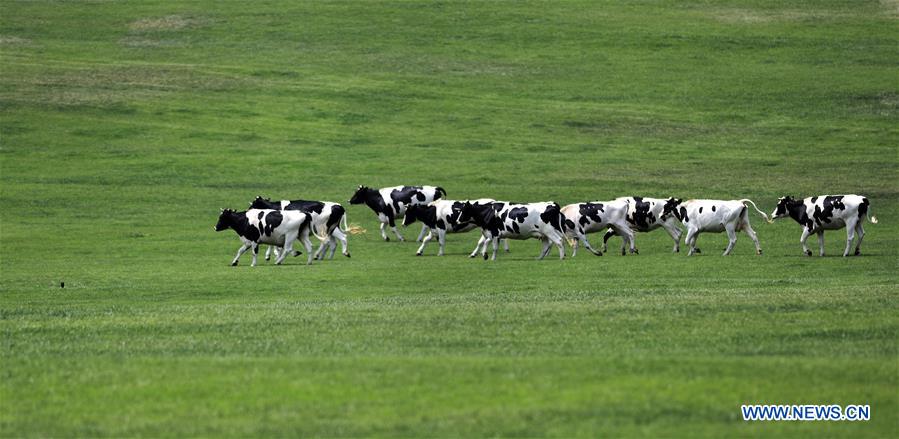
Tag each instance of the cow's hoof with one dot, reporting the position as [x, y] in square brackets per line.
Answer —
[471, 256]
[297, 253]
[697, 251]
[595, 253]
[234, 264]
[347, 254]
[418, 254]
[636, 251]
[268, 259]
[808, 252]
[858, 252]
[485, 256]
[387, 239]
[759, 252]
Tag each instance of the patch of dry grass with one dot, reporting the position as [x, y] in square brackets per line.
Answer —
[8, 40]
[891, 7]
[750, 16]
[167, 23]
[139, 42]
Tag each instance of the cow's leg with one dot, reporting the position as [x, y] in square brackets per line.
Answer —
[332, 246]
[477, 248]
[675, 234]
[307, 243]
[495, 242]
[384, 232]
[583, 238]
[802, 239]
[752, 235]
[422, 234]
[545, 250]
[268, 252]
[424, 242]
[632, 238]
[240, 251]
[605, 239]
[393, 227]
[690, 241]
[850, 235]
[559, 241]
[255, 254]
[821, 242]
[860, 231]
[573, 241]
[627, 240]
[289, 238]
[340, 236]
[322, 249]
[441, 239]
[731, 230]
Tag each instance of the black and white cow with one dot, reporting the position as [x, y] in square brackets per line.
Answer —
[390, 203]
[591, 217]
[325, 222]
[497, 220]
[827, 212]
[267, 226]
[645, 215]
[442, 216]
[714, 216]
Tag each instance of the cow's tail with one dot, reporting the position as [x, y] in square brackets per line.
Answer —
[439, 193]
[308, 223]
[863, 210]
[321, 236]
[763, 214]
[343, 222]
[352, 229]
[563, 227]
[355, 229]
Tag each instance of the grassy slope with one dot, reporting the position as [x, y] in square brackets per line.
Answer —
[125, 126]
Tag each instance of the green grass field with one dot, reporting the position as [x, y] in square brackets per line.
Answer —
[127, 125]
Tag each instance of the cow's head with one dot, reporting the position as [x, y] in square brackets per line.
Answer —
[671, 208]
[360, 195]
[784, 204]
[412, 212]
[225, 220]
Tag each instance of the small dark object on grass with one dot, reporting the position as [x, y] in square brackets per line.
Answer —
[62, 284]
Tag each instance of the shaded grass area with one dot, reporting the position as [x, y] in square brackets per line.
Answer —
[125, 126]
